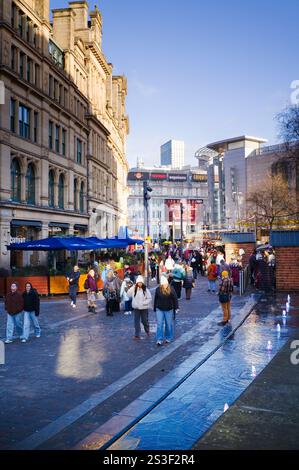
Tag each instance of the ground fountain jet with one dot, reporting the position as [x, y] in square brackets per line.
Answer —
[269, 346]
[289, 299]
[284, 321]
[226, 407]
[284, 313]
[253, 371]
[278, 328]
[287, 307]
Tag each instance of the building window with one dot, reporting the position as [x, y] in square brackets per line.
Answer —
[79, 151]
[50, 135]
[12, 115]
[30, 184]
[34, 35]
[20, 23]
[15, 173]
[28, 70]
[24, 121]
[22, 62]
[13, 52]
[61, 192]
[28, 29]
[35, 125]
[82, 197]
[51, 188]
[13, 14]
[36, 75]
[51, 82]
[63, 143]
[57, 139]
[75, 195]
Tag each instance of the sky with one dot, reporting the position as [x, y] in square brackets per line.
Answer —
[200, 70]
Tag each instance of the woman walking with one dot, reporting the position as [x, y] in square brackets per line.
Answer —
[141, 301]
[111, 293]
[165, 306]
[225, 294]
[189, 282]
[126, 285]
[92, 289]
[73, 281]
[31, 311]
[212, 276]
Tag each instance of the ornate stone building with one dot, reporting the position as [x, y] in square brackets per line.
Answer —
[63, 127]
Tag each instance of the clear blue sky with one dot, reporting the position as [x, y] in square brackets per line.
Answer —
[200, 70]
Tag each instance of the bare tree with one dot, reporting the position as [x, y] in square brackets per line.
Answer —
[273, 204]
[288, 122]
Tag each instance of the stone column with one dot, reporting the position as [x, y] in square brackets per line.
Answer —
[5, 218]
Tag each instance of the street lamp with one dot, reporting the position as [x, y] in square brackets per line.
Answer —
[182, 213]
[146, 197]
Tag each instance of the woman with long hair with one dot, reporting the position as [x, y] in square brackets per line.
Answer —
[141, 301]
[165, 306]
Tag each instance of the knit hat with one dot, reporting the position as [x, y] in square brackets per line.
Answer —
[224, 274]
[163, 281]
[140, 279]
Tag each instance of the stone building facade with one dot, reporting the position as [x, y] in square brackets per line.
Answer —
[63, 127]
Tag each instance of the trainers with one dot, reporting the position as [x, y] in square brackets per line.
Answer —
[23, 340]
[167, 341]
[136, 337]
[38, 335]
[126, 313]
[8, 341]
[72, 303]
[159, 343]
[222, 323]
[74, 306]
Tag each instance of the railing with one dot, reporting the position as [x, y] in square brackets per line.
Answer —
[244, 280]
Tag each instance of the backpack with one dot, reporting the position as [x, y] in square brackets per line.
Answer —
[86, 284]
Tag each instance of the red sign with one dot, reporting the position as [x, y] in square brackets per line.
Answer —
[158, 176]
[190, 208]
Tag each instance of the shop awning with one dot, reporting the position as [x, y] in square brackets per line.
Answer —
[26, 223]
[115, 242]
[81, 227]
[59, 224]
[57, 243]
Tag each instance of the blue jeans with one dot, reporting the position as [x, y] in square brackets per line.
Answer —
[212, 286]
[73, 293]
[28, 317]
[12, 322]
[128, 305]
[165, 317]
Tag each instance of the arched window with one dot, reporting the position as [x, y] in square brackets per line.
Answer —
[61, 192]
[75, 195]
[82, 197]
[51, 188]
[30, 184]
[15, 173]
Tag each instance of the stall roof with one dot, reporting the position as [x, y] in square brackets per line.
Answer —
[284, 238]
[56, 243]
[238, 237]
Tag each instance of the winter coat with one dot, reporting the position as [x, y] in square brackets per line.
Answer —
[189, 280]
[212, 272]
[126, 285]
[142, 300]
[178, 274]
[92, 283]
[31, 301]
[14, 303]
[74, 278]
[111, 289]
[165, 302]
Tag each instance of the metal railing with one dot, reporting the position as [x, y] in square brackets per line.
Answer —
[244, 279]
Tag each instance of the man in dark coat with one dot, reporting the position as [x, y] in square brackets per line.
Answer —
[31, 311]
[14, 305]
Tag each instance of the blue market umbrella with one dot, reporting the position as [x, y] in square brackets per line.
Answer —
[56, 243]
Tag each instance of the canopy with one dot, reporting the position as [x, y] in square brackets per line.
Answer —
[115, 242]
[58, 243]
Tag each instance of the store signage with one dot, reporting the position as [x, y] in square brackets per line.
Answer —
[138, 176]
[17, 240]
[158, 176]
[177, 177]
[199, 178]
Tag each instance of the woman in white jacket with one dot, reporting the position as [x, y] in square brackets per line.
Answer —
[125, 287]
[141, 301]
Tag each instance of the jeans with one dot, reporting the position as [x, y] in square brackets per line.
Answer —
[212, 286]
[73, 293]
[141, 315]
[165, 318]
[12, 322]
[28, 317]
[128, 305]
[195, 272]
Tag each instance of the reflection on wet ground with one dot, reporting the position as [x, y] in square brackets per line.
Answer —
[182, 418]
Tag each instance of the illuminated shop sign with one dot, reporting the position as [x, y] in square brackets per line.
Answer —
[199, 178]
[138, 176]
[177, 177]
[159, 176]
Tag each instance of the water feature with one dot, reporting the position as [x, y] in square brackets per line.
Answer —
[183, 417]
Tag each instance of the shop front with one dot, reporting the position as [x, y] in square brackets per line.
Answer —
[22, 231]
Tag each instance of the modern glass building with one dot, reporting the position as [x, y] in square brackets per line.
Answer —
[173, 154]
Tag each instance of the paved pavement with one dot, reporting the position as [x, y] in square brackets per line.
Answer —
[266, 415]
[85, 368]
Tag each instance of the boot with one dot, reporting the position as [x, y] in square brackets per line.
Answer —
[93, 309]
[89, 308]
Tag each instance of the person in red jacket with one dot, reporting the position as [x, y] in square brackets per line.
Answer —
[14, 305]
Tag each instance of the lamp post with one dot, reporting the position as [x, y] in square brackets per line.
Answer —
[181, 212]
[146, 197]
